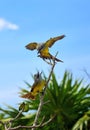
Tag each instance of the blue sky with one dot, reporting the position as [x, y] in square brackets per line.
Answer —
[22, 22]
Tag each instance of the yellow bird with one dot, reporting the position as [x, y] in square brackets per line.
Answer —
[36, 88]
[43, 49]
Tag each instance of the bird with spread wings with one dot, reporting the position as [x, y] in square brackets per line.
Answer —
[43, 49]
[37, 87]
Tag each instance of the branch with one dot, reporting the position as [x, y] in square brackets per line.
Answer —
[7, 125]
[46, 102]
[50, 120]
[17, 116]
[36, 126]
[38, 111]
[42, 97]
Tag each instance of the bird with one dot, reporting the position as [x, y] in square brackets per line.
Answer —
[43, 48]
[37, 87]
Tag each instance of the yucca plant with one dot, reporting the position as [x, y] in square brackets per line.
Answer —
[68, 101]
[83, 123]
[72, 102]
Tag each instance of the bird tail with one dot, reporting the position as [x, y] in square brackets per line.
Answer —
[28, 96]
[56, 59]
[49, 56]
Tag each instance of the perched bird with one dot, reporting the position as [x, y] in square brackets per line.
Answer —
[43, 49]
[36, 88]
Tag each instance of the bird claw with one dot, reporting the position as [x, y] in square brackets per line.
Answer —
[48, 62]
[51, 60]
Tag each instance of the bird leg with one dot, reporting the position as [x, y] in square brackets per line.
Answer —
[47, 61]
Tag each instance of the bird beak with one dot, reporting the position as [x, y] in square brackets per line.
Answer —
[40, 73]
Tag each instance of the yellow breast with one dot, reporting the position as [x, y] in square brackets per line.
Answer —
[39, 87]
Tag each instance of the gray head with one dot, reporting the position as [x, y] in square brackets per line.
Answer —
[40, 46]
[37, 77]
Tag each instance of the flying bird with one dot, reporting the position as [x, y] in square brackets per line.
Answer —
[43, 48]
[36, 88]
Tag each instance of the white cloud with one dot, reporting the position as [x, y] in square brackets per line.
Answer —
[7, 25]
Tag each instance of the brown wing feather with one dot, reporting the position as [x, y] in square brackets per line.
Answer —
[31, 46]
[51, 41]
[28, 96]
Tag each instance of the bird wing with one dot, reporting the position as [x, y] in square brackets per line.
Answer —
[51, 41]
[37, 87]
[31, 46]
[44, 52]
